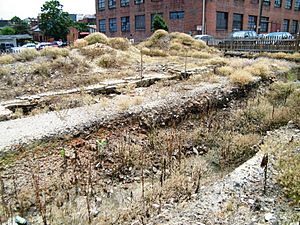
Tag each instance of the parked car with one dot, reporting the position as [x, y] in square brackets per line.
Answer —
[29, 45]
[279, 35]
[42, 45]
[243, 34]
[204, 37]
[6, 47]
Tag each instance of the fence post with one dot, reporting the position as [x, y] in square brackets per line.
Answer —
[297, 43]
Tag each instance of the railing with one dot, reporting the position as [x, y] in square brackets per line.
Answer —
[257, 44]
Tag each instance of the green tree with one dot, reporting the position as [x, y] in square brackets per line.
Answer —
[159, 23]
[20, 26]
[8, 31]
[81, 27]
[54, 21]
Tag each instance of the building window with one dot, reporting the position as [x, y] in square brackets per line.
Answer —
[297, 5]
[102, 25]
[288, 4]
[111, 4]
[112, 25]
[294, 26]
[222, 21]
[252, 21]
[152, 18]
[264, 21]
[140, 22]
[277, 3]
[101, 5]
[267, 2]
[237, 23]
[124, 3]
[176, 15]
[125, 24]
[285, 25]
[137, 2]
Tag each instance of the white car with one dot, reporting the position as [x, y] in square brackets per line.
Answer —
[29, 45]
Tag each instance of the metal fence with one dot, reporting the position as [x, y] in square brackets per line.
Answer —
[257, 45]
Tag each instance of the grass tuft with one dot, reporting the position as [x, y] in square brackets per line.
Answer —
[27, 55]
[54, 53]
[119, 43]
[7, 59]
[241, 77]
[96, 38]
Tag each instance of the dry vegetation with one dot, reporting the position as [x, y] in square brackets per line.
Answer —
[166, 163]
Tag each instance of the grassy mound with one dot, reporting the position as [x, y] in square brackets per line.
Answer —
[96, 38]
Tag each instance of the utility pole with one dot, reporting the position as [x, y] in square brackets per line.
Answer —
[260, 15]
[203, 17]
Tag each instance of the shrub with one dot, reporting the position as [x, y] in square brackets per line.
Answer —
[241, 77]
[27, 54]
[7, 59]
[108, 61]
[80, 43]
[288, 167]
[96, 38]
[42, 69]
[200, 55]
[154, 52]
[225, 70]
[159, 23]
[96, 50]
[54, 53]
[3, 71]
[119, 43]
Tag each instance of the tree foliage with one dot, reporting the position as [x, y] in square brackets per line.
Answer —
[159, 23]
[7, 31]
[20, 26]
[54, 21]
[81, 27]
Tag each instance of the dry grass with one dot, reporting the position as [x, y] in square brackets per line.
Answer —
[225, 70]
[112, 61]
[27, 55]
[3, 71]
[241, 77]
[154, 52]
[80, 43]
[42, 69]
[125, 102]
[208, 77]
[54, 52]
[7, 59]
[218, 61]
[289, 176]
[119, 43]
[96, 38]
[96, 50]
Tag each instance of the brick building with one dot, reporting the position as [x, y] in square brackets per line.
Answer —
[133, 18]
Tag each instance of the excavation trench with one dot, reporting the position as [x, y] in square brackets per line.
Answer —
[110, 160]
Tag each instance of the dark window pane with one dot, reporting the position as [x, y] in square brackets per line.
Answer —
[252, 21]
[285, 25]
[101, 5]
[264, 24]
[297, 5]
[111, 4]
[102, 25]
[288, 4]
[137, 2]
[176, 15]
[140, 22]
[294, 26]
[222, 21]
[124, 3]
[125, 24]
[237, 22]
[112, 25]
[277, 3]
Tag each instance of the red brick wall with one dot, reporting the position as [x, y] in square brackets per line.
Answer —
[192, 15]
